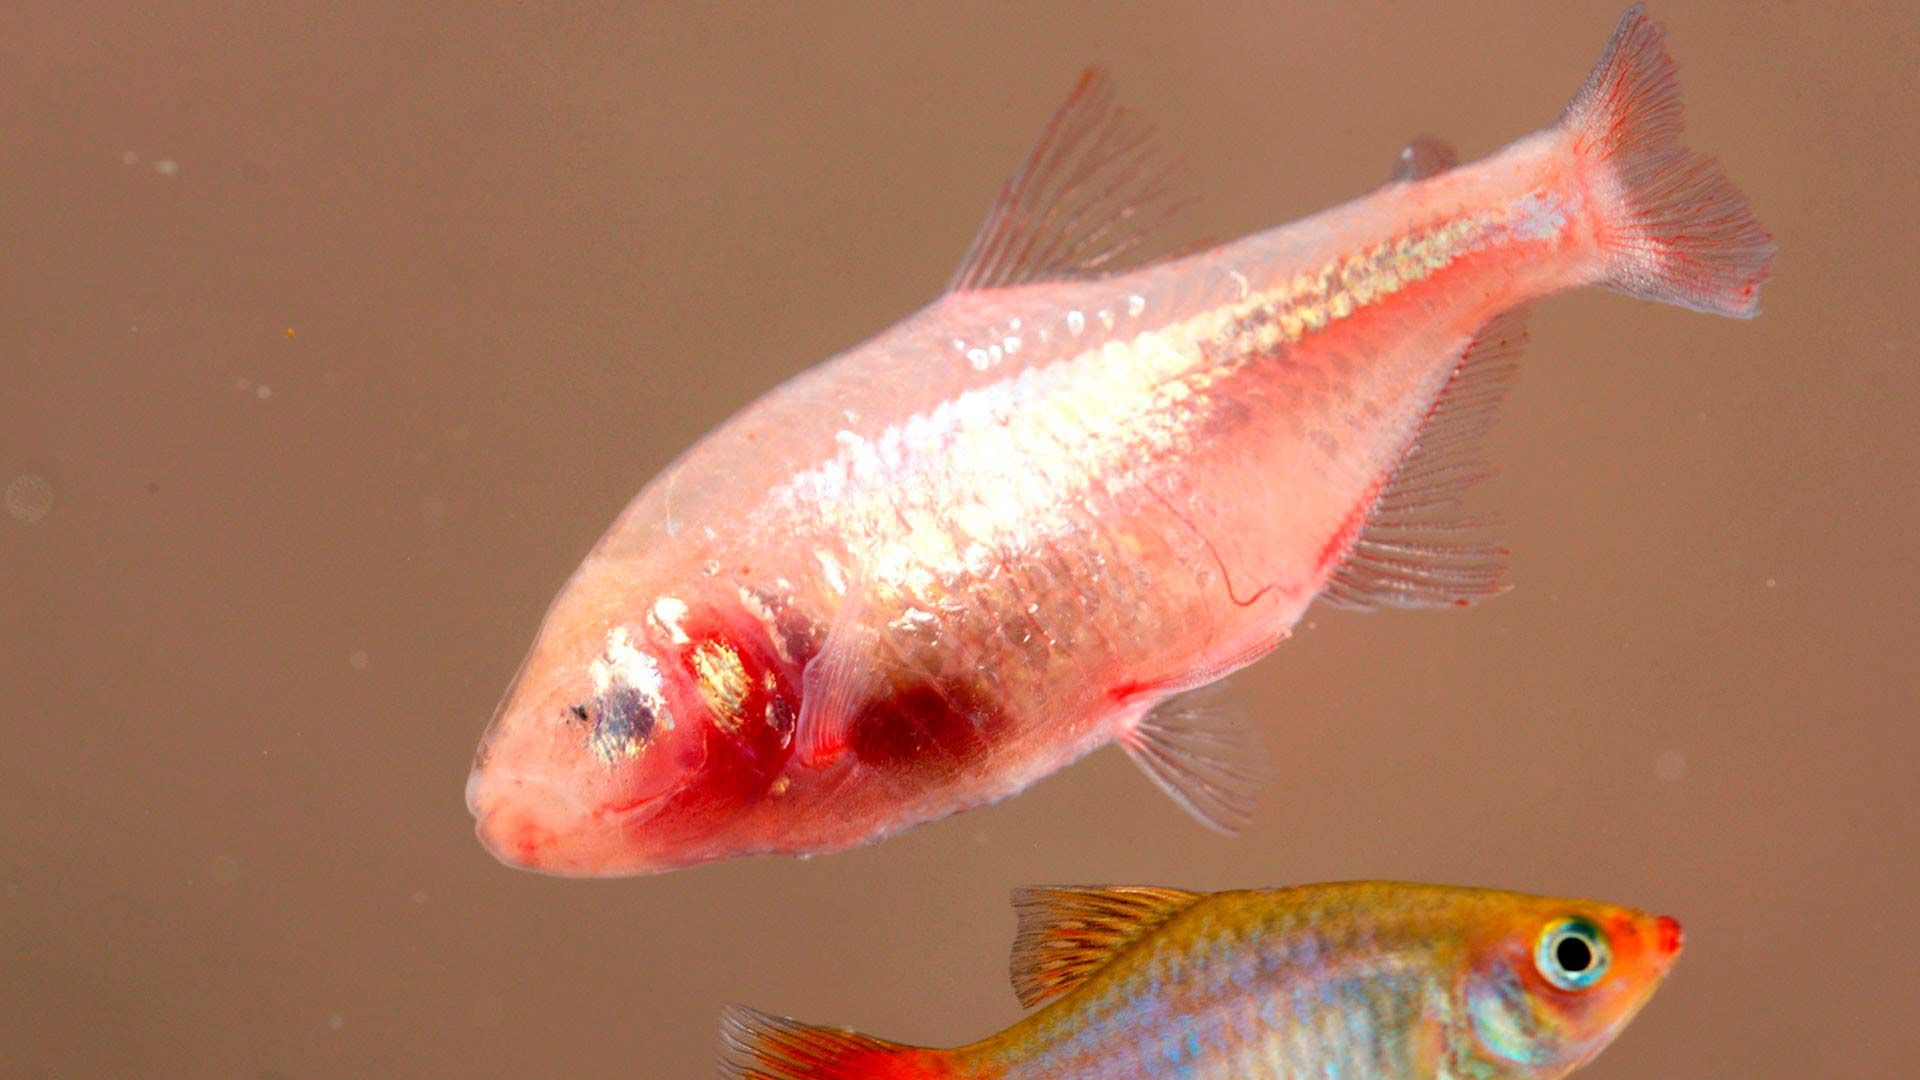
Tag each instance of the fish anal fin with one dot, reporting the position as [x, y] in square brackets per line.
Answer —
[1084, 203]
[1068, 933]
[758, 1046]
[1196, 753]
[1419, 546]
[1424, 156]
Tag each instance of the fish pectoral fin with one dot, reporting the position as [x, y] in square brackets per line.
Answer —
[1069, 932]
[1424, 156]
[1083, 204]
[835, 683]
[1196, 753]
[1419, 546]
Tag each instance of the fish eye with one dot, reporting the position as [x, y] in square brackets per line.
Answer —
[1572, 954]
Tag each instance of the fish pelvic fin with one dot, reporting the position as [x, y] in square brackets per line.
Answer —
[758, 1046]
[1069, 932]
[1199, 754]
[1090, 195]
[1671, 227]
[1418, 546]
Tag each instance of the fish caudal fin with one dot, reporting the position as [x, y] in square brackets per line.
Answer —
[1673, 227]
[756, 1046]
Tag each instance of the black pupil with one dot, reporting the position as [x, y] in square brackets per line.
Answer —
[1573, 955]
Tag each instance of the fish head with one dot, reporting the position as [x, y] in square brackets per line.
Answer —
[626, 745]
[1552, 982]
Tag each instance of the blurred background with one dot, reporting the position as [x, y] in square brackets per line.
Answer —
[331, 337]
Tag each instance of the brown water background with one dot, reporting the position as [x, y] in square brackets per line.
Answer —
[336, 333]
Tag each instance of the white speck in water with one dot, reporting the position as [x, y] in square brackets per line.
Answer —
[29, 498]
[1135, 305]
[225, 869]
[978, 359]
[167, 167]
[1671, 766]
[1773, 583]
[263, 391]
[129, 158]
[357, 659]
[710, 567]
[1076, 322]
[336, 1022]
[419, 896]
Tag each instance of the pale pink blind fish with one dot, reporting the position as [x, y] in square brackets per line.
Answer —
[1007, 530]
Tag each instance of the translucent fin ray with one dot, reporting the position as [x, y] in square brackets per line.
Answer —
[1207, 763]
[1068, 933]
[1084, 203]
[1419, 548]
[1675, 228]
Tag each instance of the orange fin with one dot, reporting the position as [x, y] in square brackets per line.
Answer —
[1422, 157]
[1418, 547]
[1199, 755]
[1068, 933]
[756, 1046]
[1673, 227]
[1083, 204]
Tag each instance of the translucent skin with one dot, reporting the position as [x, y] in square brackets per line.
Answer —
[1364, 981]
[1052, 505]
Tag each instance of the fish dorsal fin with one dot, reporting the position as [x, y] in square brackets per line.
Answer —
[1068, 933]
[1083, 204]
[1419, 547]
[1195, 752]
[1424, 156]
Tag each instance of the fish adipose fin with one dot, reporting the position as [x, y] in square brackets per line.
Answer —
[1672, 226]
[1084, 203]
[1419, 547]
[1424, 156]
[1068, 933]
[1196, 753]
[756, 1046]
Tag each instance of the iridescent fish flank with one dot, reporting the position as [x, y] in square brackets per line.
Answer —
[1020, 524]
[1361, 981]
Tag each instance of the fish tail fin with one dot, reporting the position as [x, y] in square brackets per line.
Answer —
[1671, 226]
[756, 1046]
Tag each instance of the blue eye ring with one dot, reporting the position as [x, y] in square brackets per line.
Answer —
[1572, 954]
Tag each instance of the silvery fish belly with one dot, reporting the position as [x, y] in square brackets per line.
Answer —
[1005, 531]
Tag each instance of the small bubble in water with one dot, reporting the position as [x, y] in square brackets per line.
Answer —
[336, 1021]
[419, 896]
[263, 391]
[1773, 583]
[1671, 766]
[29, 498]
[167, 167]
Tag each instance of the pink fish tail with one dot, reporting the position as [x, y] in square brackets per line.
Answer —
[756, 1046]
[1671, 226]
